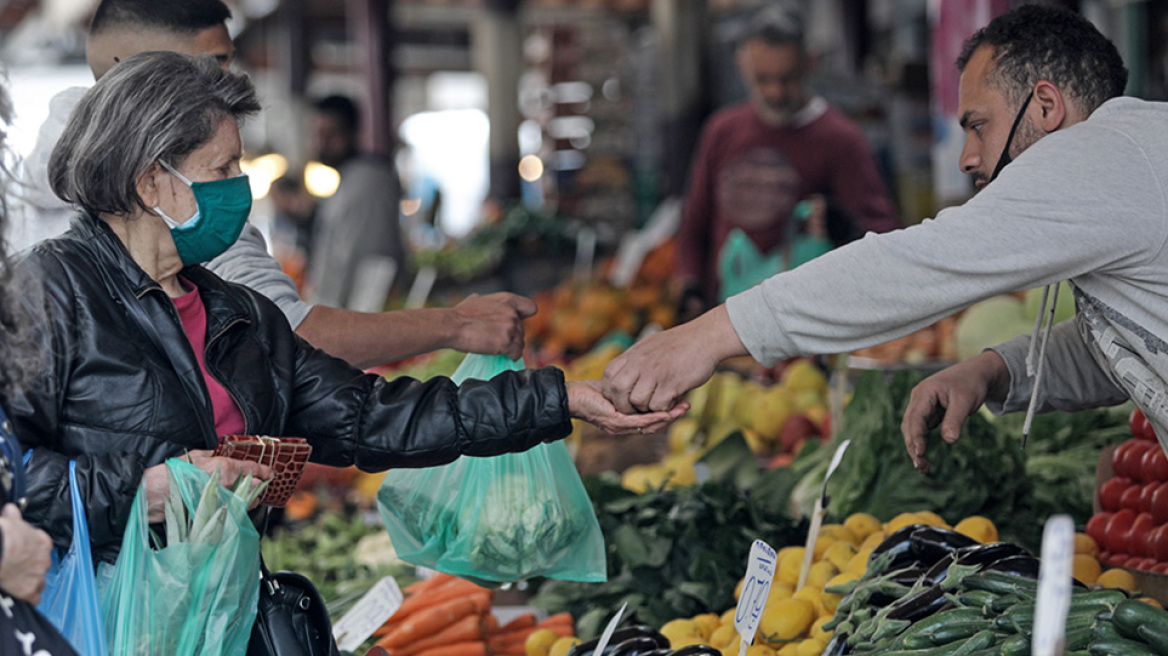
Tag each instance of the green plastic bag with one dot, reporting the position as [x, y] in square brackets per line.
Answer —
[742, 266]
[496, 520]
[186, 599]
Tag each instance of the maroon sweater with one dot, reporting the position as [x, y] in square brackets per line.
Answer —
[750, 176]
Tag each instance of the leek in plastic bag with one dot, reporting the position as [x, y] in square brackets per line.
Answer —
[498, 519]
[197, 594]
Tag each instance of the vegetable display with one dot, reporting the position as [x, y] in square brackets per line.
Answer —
[985, 473]
[932, 591]
[671, 553]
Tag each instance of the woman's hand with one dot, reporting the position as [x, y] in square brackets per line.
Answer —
[26, 557]
[587, 402]
[230, 470]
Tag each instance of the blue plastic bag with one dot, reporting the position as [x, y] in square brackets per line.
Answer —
[69, 600]
[498, 519]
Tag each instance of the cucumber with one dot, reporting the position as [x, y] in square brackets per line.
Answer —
[1077, 639]
[1002, 583]
[976, 598]
[1130, 614]
[1156, 635]
[983, 639]
[1016, 645]
[1119, 646]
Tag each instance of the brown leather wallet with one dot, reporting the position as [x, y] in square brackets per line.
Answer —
[285, 455]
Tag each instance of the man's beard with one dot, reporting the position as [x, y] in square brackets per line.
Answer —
[1025, 136]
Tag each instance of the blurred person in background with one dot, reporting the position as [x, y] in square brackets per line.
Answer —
[757, 160]
[362, 219]
[120, 28]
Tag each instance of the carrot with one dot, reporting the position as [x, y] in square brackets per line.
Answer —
[427, 584]
[453, 589]
[433, 619]
[464, 630]
[513, 642]
[558, 618]
[490, 624]
[519, 622]
[469, 648]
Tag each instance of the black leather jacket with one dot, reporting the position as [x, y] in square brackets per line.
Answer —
[121, 389]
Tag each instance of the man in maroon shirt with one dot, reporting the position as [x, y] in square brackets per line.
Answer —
[757, 160]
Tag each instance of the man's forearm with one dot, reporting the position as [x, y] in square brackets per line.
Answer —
[369, 339]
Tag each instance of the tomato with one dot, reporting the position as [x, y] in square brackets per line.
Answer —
[1159, 507]
[1117, 559]
[1118, 528]
[1157, 541]
[1127, 459]
[1131, 497]
[1141, 428]
[1137, 537]
[1097, 528]
[1161, 568]
[1111, 493]
[1155, 465]
[1146, 493]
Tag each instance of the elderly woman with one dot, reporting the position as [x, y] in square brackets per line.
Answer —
[150, 356]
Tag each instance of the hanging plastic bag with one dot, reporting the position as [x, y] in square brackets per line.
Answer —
[196, 595]
[498, 519]
[69, 599]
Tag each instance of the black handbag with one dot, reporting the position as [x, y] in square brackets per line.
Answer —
[291, 619]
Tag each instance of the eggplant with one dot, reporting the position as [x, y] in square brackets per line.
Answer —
[698, 650]
[837, 646]
[635, 646]
[1024, 565]
[896, 550]
[986, 554]
[940, 569]
[919, 606]
[666, 651]
[932, 543]
[587, 647]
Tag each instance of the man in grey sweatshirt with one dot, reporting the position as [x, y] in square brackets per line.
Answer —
[1085, 201]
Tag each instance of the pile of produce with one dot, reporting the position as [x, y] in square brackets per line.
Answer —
[1133, 523]
[933, 343]
[985, 473]
[929, 590]
[448, 616]
[671, 553]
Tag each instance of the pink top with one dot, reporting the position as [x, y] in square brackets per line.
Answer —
[228, 418]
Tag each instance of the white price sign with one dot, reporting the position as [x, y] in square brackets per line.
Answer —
[760, 572]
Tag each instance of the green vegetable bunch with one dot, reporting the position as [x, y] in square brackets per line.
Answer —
[210, 517]
[671, 553]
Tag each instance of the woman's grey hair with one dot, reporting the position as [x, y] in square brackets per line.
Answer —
[152, 106]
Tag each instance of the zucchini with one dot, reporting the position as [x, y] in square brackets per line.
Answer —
[983, 639]
[1002, 583]
[1119, 646]
[1016, 645]
[1130, 614]
[1156, 635]
[1077, 639]
[977, 598]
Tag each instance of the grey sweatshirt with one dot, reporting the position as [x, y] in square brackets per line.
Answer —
[40, 214]
[1086, 204]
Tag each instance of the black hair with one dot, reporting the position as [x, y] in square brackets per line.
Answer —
[1044, 42]
[774, 26]
[186, 16]
[343, 108]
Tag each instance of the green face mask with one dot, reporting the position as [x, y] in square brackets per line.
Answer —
[222, 209]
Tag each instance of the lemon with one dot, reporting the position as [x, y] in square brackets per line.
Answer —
[817, 631]
[540, 642]
[862, 524]
[679, 630]
[979, 528]
[819, 574]
[1085, 544]
[731, 649]
[759, 650]
[562, 646]
[931, 518]
[803, 375]
[706, 623]
[873, 540]
[786, 620]
[780, 590]
[831, 600]
[788, 649]
[1085, 568]
[858, 563]
[840, 533]
[728, 617]
[815, 596]
[722, 635]
[1117, 578]
[790, 562]
[822, 543]
[900, 521]
[1150, 602]
[809, 647]
[839, 554]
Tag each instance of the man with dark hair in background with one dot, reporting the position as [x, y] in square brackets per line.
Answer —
[362, 219]
[1071, 180]
[758, 159]
[120, 28]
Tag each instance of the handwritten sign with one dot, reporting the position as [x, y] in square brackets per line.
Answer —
[756, 586]
[368, 614]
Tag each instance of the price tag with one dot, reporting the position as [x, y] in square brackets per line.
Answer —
[368, 614]
[607, 634]
[1054, 586]
[817, 515]
[760, 572]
